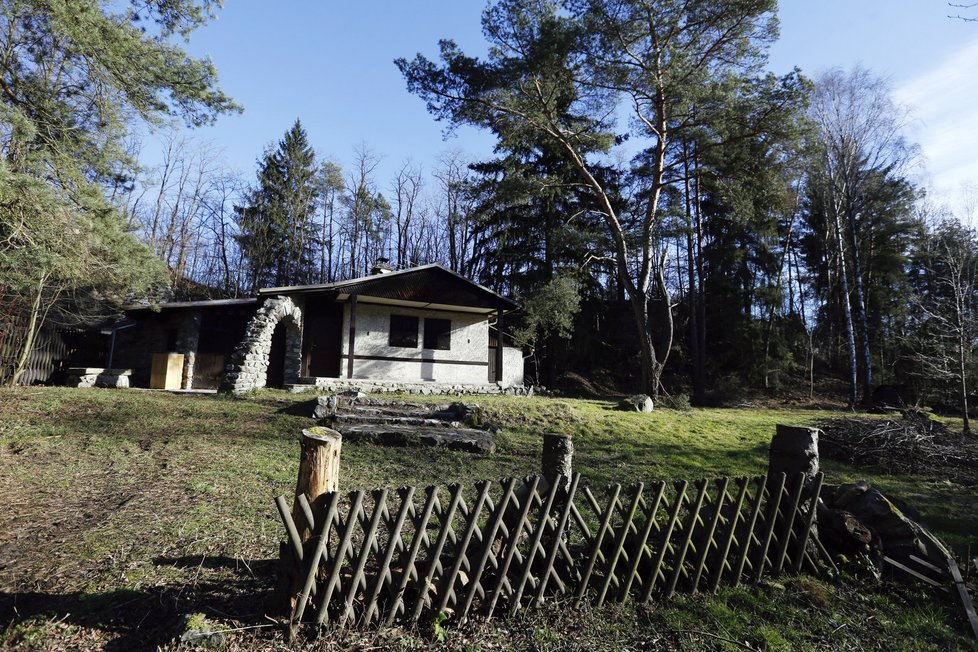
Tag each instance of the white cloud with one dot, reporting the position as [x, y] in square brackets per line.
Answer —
[944, 102]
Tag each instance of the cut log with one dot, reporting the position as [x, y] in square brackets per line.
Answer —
[319, 473]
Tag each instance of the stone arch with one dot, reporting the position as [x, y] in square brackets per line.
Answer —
[248, 368]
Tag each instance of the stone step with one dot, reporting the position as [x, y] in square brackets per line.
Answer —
[462, 439]
[409, 420]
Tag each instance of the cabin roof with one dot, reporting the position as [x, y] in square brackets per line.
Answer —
[189, 304]
[428, 286]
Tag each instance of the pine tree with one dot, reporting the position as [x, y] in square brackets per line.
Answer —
[279, 230]
[75, 79]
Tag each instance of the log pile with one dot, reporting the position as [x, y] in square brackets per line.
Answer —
[912, 444]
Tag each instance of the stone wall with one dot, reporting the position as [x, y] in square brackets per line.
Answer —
[390, 386]
[248, 368]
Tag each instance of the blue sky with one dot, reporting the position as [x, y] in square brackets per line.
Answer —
[330, 63]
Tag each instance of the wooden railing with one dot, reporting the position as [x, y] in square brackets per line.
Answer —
[381, 556]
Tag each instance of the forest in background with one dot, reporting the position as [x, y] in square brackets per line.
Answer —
[672, 217]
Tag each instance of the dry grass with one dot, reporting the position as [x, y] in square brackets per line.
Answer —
[123, 510]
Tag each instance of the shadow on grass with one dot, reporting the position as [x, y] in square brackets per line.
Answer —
[236, 590]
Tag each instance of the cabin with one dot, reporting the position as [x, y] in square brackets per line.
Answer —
[422, 328]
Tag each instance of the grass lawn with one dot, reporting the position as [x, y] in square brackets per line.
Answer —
[120, 510]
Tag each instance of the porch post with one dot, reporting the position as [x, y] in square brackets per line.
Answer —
[353, 335]
[499, 346]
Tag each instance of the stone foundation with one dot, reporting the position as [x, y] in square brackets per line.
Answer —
[385, 387]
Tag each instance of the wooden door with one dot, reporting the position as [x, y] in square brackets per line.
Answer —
[322, 338]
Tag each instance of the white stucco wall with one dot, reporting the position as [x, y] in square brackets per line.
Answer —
[512, 366]
[469, 344]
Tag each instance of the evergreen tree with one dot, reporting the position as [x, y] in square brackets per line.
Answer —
[75, 78]
[562, 75]
[279, 232]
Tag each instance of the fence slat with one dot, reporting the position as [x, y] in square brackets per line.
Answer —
[424, 586]
[680, 557]
[492, 527]
[293, 534]
[313, 567]
[535, 542]
[641, 543]
[357, 578]
[374, 561]
[708, 542]
[788, 519]
[513, 542]
[448, 586]
[619, 543]
[408, 563]
[337, 562]
[774, 502]
[557, 540]
[596, 543]
[809, 521]
[732, 524]
[406, 495]
[666, 536]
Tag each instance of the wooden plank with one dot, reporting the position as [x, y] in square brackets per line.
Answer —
[596, 544]
[306, 511]
[774, 502]
[732, 524]
[406, 495]
[680, 557]
[334, 574]
[708, 541]
[969, 607]
[913, 573]
[677, 506]
[408, 564]
[513, 544]
[931, 567]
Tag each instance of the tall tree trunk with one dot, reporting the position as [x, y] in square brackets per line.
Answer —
[696, 354]
[701, 295]
[867, 371]
[846, 310]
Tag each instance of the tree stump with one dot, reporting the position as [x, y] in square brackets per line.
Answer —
[319, 474]
[794, 450]
[558, 457]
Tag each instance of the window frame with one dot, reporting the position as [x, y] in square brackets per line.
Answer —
[435, 337]
[401, 343]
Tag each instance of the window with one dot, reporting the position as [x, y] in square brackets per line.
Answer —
[438, 334]
[404, 331]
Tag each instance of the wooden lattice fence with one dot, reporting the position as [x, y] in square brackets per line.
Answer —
[380, 556]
